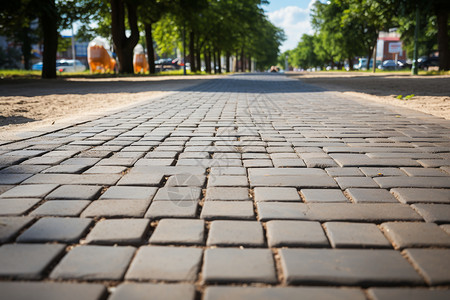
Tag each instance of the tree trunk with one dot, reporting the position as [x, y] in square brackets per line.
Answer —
[207, 67]
[192, 52]
[26, 48]
[242, 60]
[374, 64]
[49, 21]
[150, 50]
[215, 62]
[249, 63]
[124, 45]
[219, 61]
[227, 63]
[443, 39]
[198, 55]
[350, 63]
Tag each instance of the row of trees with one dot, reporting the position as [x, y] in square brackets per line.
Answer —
[212, 29]
[345, 29]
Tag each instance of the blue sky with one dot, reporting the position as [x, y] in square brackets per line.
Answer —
[293, 17]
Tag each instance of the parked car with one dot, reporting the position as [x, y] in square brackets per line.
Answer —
[425, 62]
[362, 64]
[68, 66]
[37, 66]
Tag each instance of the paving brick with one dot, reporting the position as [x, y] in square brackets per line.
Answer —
[94, 263]
[282, 293]
[276, 194]
[165, 263]
[81, 161]
[425, 172]
[153, 179]
[433, 213]
[27, 261]
[65, 169]
[16, 206]
[281, 211]
[235, 233]
[215, 210]
[128, 192]
[179, 232]
[117, 161]
[346, 267]
[417, 195]
[239, 181]
[29, 191]
[361, 160]
[89, 179]
[370, 195]
[14, 178]
[75, 192]
[105, 170]
[11, 226]
[355, 235]
[44, 160]
[186, 180]
[376, 172]
[412, 234]
[177, 194]
[64, 230]
[257, 163]
[172, 209]
[323, 195]
[433, 264]
[24, 169]
[227, 193]
[116, 208]
[136, 291]
[341, 172]
[299, 181]
[355, 182]
[295, 234]
[408, 293]
[434, 163]
[118, 231]
[225, 171]
[413, 182]
[224, 265]
[61, 208]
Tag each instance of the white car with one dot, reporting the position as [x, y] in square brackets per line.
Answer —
[68, 66]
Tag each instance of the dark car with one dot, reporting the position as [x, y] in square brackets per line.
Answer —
[426, 62]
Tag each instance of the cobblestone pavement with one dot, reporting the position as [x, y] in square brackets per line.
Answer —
[245, 187]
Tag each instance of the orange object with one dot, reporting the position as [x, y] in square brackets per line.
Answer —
[140, 63]
[99, 59]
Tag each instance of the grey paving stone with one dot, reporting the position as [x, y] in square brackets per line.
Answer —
[158, 154]
[376, 172]
[94, 263]
[223, 265]
[295, 234]
[346, 267]
[370, 195]
[44, 160]
[16, 206]
[177, 194]
[238, 181]
[105, 170]
[116, 208]
[425, 172]
[172, 209]
[355, 235]
[11, 226]
[341, 172]
[117, 161]
[282, 293]
[434, 163]
[61, 208]
[235, 233]
[158, 291]
[432, 263]
[129, 192]
[257, 163]
[446, 228]
[24, 169]
[179, 232]
[323, 195]
[89, 179]
[361, 160]
[433, 213]
[27, 261]
[276, 194]
[226, 171]
[227, 193]
[165, 263]
[29, 191]
[281, 211]
[299, 181]
[152, 179]
[417, 195]
[75, 192]
[13, 178]
[186, 180]
[414, 235]
[355, 182]
[408, 293]
[51, 290]
[85, 161]
[118, 231]
[64, 230]
[216, 210]
[65, 169]
[288, 162]
[413, 182]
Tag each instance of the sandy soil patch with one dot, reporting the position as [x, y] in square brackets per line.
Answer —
[432, 93]
[49, 101]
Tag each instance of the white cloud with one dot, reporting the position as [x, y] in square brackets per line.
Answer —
[295, 21]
